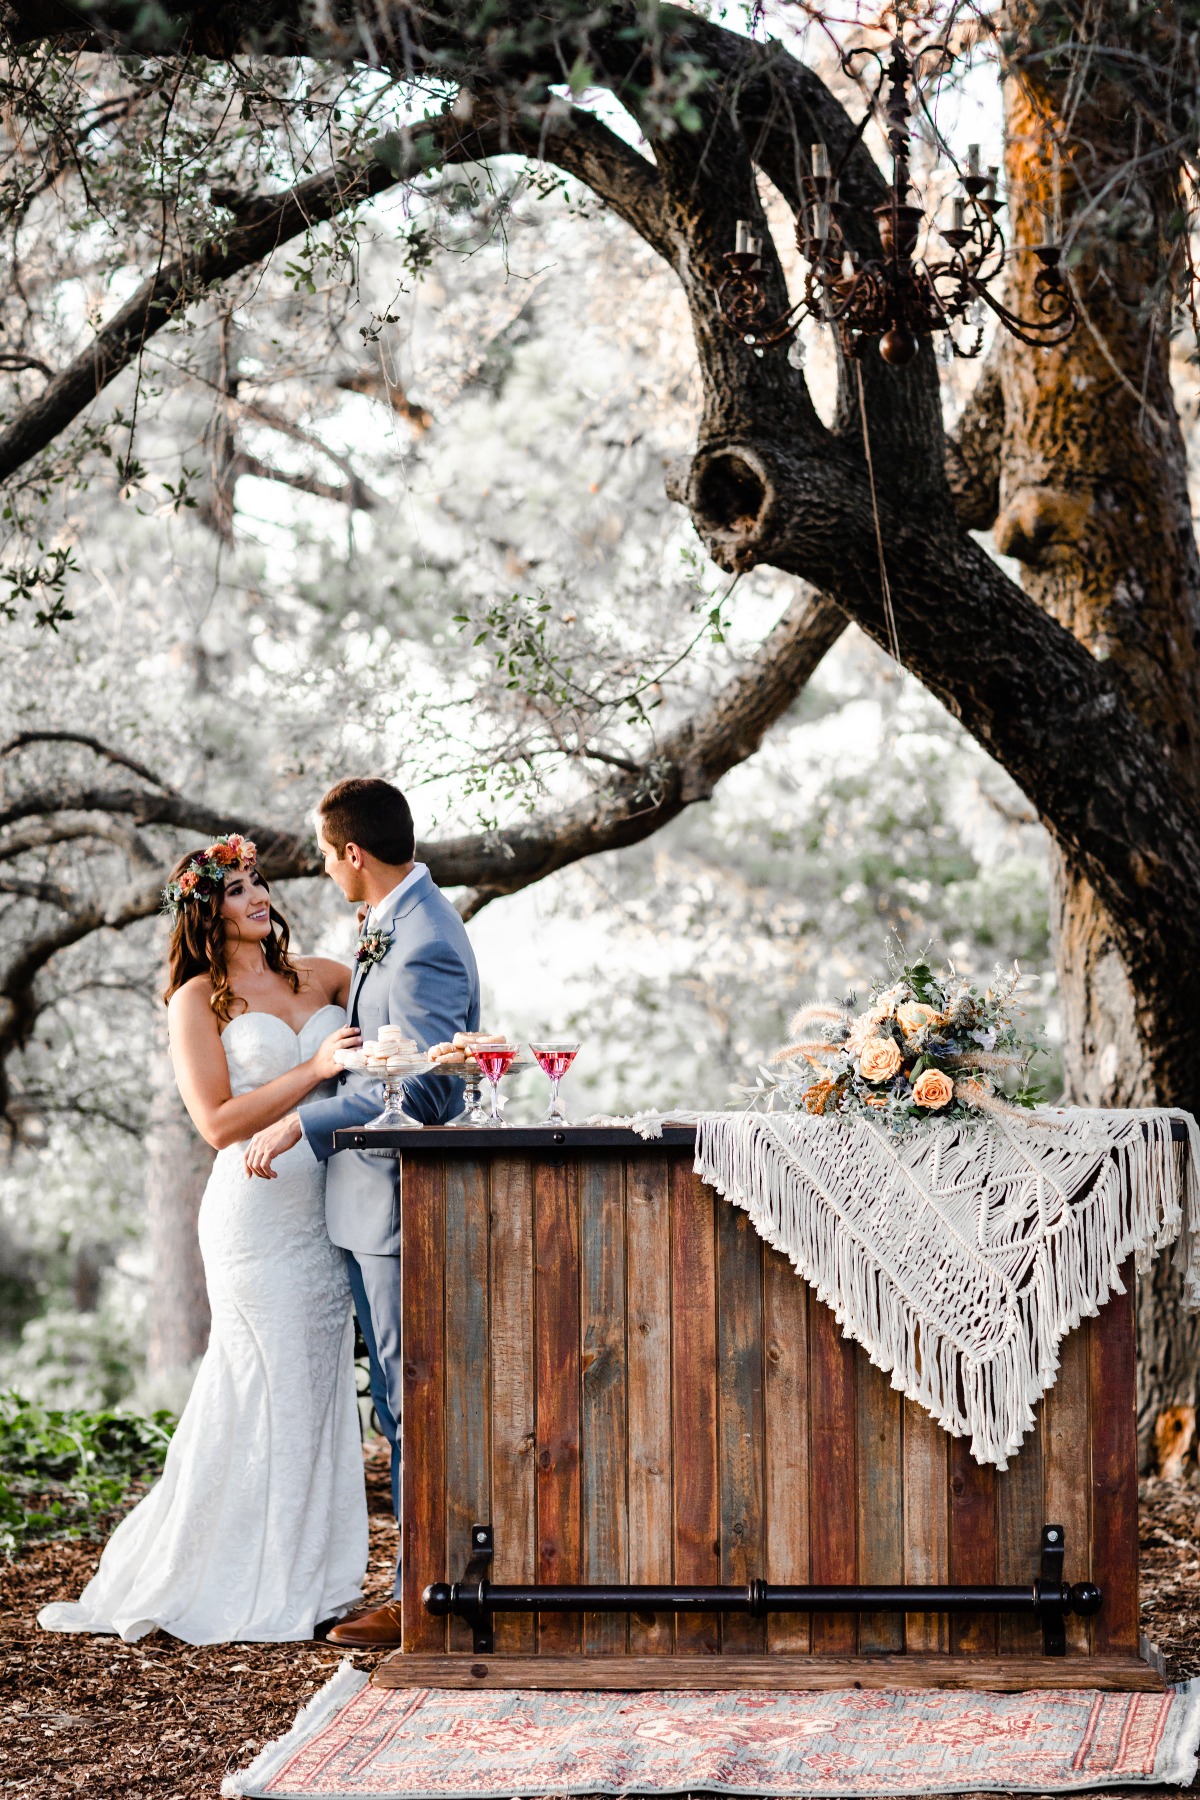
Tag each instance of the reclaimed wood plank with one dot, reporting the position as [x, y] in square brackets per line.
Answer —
[1020, 1515]
[832, 1461]
[423, 1470]
[708, 1674]
[972, 1544]
[1066, 1478]
[468, 1370]
[556, 1302]
[1114, 1471]
[694, 1395]
[926, 1524]
[785, 1441]
[880, 1497]
[648, 1339]
[603, 1398]
[514, 1436]
[740, 1417]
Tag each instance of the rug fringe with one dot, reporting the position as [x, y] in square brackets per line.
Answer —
[341, 1687]
[1180, 1768]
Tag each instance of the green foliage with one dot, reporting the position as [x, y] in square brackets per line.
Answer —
[48, 577]
[63, 1473]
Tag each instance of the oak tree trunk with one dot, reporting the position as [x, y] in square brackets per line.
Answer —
[178, 1162]
[1094, 504]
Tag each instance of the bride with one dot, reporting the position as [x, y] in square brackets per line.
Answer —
[257, 1529]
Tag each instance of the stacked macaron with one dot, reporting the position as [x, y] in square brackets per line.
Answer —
[389, 1054]
[458, 1052]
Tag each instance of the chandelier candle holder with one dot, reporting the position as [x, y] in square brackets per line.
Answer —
[904, 294]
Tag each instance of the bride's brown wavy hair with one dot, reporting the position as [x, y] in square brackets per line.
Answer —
[198, 946]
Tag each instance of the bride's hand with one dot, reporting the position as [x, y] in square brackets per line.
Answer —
[324, 1063]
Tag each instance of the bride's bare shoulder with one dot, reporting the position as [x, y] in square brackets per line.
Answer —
[189, 1005]
[330, 979]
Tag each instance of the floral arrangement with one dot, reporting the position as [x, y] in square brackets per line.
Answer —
[928, 1047]
[372, 947]
[205, 875]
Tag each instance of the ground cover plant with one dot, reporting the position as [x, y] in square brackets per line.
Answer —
[64, 1473]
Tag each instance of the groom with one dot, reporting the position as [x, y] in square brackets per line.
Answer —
[414, 968]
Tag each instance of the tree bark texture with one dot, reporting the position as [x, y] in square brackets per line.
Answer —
[177, 1162]
[1094, 504]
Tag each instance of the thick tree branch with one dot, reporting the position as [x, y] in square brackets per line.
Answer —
[375, 384]
[353, 493]
[973, 449]
[48, 837]
[18, 1002]
[582, 146]
[260, 225]
[573, 139]
[48, 893]
[280, 852]
[24, 739]
[686, 767]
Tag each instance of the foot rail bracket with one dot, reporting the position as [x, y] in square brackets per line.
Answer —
[1049, 1598]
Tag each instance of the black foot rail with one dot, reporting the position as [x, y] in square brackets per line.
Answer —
[1048, 1598]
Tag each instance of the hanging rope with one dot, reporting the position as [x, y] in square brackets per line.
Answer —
[884, 585]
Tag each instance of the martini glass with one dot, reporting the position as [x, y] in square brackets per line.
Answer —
[554, 1058]
[495, 1060]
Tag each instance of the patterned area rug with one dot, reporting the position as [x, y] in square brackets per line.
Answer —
[355, 1742]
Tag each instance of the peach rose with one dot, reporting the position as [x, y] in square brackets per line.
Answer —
[816, 1098]
[933, 1089]
[876, 1101]
[879, 1059]
[914, 1016]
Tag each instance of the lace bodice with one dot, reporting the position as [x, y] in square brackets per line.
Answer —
[259, 1047]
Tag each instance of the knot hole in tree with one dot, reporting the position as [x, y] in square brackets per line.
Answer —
[731, 494]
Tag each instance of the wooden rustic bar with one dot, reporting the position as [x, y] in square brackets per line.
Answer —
[604, 1361]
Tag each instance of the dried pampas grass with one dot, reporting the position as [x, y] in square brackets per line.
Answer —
[816, 1013]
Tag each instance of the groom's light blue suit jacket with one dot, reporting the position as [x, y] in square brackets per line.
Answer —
[428, 985]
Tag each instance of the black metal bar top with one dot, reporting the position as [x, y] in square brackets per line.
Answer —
[472, 1140]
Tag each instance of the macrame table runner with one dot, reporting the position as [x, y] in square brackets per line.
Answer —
[960, 1257]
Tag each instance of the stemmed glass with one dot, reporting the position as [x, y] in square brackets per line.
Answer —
[472, 1080]
[393, 1117]
[495, 1060]
[554, 1058]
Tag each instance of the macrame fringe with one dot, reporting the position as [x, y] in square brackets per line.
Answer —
[963, 1307]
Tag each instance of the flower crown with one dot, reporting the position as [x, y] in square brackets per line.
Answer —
[207, 873]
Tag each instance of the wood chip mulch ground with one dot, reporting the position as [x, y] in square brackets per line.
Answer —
[159, 1720]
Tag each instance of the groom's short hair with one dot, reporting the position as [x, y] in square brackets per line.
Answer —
[372, 814]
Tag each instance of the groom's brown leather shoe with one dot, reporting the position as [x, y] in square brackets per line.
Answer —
[378, 1630]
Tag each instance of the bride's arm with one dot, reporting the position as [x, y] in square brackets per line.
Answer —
[202, 1073]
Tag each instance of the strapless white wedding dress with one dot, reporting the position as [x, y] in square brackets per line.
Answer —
[258, 1528]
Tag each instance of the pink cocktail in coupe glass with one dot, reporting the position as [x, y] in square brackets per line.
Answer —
[554, 1058]
[495, 1060]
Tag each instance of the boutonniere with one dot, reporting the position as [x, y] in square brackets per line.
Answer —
[373, 946]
